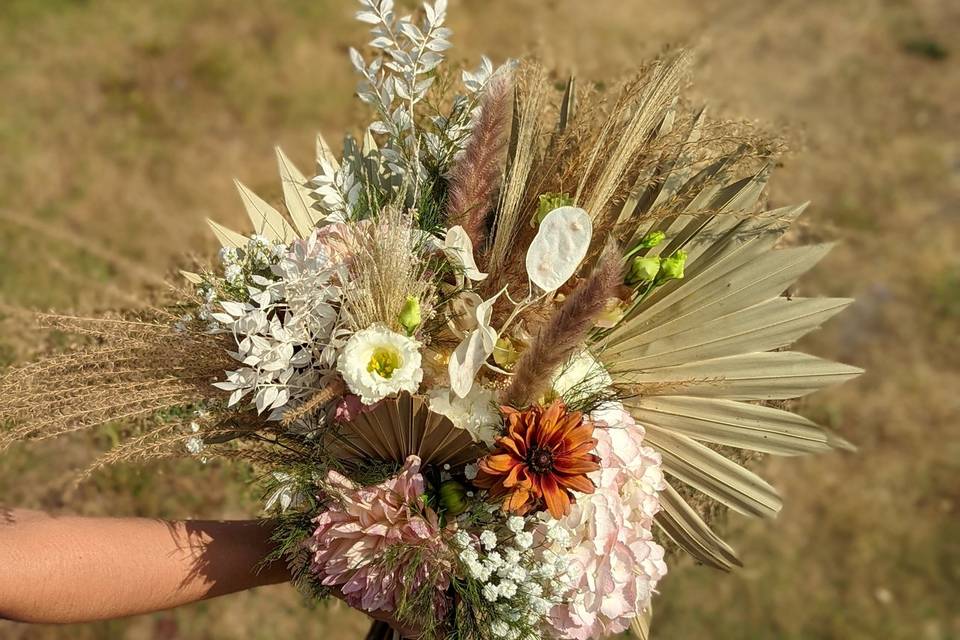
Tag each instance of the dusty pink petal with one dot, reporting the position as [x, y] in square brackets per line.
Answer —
[361, 524]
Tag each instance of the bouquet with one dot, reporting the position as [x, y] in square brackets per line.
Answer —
[496, 362]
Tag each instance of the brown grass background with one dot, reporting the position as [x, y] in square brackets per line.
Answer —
[122, 123]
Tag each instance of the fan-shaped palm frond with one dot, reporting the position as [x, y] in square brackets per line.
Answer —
[299, 202]
[702, 350]
[706, 343]
[399, 427]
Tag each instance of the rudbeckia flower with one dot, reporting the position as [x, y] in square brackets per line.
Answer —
[545, 454]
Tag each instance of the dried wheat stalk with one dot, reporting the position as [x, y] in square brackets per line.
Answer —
[138, 368]
[531, 97]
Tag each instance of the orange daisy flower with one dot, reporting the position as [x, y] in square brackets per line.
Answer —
[545, 455]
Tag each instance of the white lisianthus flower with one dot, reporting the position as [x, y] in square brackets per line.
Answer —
[477, 413]
[376, 363]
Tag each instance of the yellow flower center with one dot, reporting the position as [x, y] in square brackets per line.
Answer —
[384, 362]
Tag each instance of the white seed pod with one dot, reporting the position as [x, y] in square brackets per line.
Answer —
[559, 247]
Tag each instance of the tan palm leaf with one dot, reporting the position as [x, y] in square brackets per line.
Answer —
[399, 427]
[708, 346]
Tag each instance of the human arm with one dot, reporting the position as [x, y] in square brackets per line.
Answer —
[76, 569]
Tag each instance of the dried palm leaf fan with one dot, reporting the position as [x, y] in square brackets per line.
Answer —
[701, 357]
[399, 427]
[716, 327]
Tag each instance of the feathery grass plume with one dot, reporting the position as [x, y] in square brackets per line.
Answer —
[168, 439]
[531, 96]
[138, 368]
[567, 329]
[386, 268]
[643, 111]
[475, 177]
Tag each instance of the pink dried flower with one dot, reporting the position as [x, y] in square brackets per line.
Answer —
[614, 564]
[363, 524]
[350, 406]
[334, 241]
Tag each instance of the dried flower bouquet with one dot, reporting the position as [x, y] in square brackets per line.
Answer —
[493, 358]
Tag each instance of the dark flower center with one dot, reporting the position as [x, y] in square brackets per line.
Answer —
[540, 460]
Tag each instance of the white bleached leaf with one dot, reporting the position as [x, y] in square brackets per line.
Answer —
[439, 45]
[191, 277]
[296, 195]
[411, 31]
[423, 85]
[325, 155]
[401, 88]
[459, 249]
[559, 246]
[469, 356]
[462, 315]
[465, 362]
[357, 60]
[235, 309]
[283, 396]
[235, 397]
[367, 16]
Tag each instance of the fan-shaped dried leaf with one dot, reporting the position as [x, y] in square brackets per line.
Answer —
[713, 474]
[771, 325]
[266, 220]
[399, 427]
[777, 375]
[736, 424]
[688, 531]
[227, 237]
[297, 196]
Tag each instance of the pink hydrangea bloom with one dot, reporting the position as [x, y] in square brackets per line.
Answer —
[364, 522]
[614, 564]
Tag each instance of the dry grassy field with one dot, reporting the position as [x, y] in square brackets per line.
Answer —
[123, 122]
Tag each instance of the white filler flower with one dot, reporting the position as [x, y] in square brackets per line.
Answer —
[377, 362]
